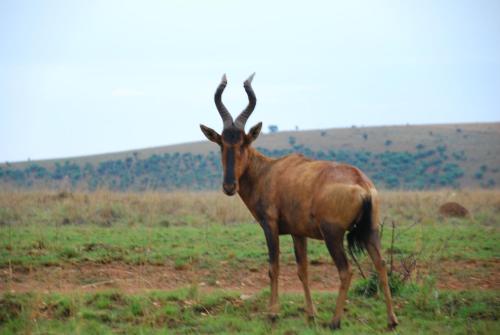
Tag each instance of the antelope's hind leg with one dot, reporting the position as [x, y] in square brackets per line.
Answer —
[373, 248]
[334, 236]
[300, 248]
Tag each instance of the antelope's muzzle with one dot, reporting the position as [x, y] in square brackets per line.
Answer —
[229, 189]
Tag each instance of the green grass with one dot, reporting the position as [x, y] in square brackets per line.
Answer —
[187, 232]
[238, 244]
[219, 312]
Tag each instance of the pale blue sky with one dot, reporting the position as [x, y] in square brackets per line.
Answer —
[86, 77]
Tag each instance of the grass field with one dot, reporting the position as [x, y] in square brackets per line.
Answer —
[102, 262]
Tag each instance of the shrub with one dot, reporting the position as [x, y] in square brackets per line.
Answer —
[369, 287]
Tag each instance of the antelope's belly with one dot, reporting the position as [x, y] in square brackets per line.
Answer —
[300, 224]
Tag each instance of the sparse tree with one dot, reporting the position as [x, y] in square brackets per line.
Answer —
[273, 128]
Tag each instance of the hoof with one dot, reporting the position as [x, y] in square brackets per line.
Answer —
[311, 319]
[392, 325]
[273, 317]
[392, 322]
[335, 325]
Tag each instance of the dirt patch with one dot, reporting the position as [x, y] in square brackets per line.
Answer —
[138, 278]
[453, 209]
[90, 277]
[467, 275]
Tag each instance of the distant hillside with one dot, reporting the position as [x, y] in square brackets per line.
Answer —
[409, 157]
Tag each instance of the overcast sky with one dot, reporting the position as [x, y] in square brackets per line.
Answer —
[86, 77]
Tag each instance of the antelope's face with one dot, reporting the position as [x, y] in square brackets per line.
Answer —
[233, 141]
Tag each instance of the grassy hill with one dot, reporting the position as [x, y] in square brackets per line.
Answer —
[409, 157]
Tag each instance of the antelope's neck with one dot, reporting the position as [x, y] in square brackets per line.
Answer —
[258, 166]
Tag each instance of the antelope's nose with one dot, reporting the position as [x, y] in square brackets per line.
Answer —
[229, 189]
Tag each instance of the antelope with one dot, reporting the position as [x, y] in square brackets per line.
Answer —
[304, 198]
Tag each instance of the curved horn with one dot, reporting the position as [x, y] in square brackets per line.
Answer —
[227, 119]
[241, 120]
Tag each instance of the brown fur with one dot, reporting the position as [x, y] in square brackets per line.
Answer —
[307, 199]
[298, 192]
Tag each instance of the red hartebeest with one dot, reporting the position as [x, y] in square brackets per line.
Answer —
[302, 197]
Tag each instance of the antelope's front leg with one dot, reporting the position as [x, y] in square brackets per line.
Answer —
[272, 239]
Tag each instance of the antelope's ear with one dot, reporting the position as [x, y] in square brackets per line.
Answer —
[211, 134]
[254, 132]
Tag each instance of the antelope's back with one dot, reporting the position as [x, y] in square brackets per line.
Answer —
[309, 191]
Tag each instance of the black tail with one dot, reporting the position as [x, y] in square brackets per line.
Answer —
[360, 231]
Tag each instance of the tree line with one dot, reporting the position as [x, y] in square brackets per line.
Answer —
[422, 169]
